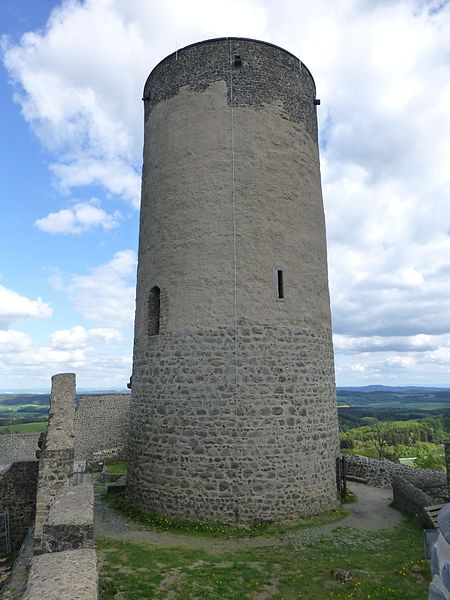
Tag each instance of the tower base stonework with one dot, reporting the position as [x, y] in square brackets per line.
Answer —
[201, 451]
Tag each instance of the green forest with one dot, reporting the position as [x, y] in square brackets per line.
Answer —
[408, 425]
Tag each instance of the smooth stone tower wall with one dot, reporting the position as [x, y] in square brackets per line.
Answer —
[233, 414]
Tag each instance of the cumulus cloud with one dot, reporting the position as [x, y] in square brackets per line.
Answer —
[79, 81]
[13, 342]
[106, 295]
[80, 337]
[416, 343]
[14, 306]
[79, 218]
[97, 355]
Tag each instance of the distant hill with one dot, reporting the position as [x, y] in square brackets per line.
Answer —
[366, 389]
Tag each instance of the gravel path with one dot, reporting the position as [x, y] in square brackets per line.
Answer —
[370, 512]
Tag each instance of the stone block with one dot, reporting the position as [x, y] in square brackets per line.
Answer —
[69, 575]
[70, 523]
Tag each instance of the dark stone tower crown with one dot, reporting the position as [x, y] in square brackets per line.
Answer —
[233, 412]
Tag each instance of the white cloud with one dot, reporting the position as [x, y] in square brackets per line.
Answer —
[106, 295]
[14, 307]
[99, 357]
[80, 337]
[12, 342]
[53, 356]
[114, 175]
[79, 218]
[79, 81]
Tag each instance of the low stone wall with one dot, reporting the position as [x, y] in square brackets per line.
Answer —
[101, 427]
[70, 523]
[381, 473]
[440, 559]
[411, 499]
[18, 497]
[71, 575]
[16, 447]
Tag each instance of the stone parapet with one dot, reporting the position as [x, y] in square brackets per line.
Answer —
[70, 523]
[381, 473]
[70, 575]
[411, 499]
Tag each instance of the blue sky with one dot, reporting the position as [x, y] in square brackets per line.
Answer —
[71, 82]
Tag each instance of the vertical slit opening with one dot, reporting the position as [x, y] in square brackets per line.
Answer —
[280, 285]
[154, 306]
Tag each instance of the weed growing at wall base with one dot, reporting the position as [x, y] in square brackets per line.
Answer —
[385, 565]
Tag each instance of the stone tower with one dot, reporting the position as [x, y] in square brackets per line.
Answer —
[233, 413]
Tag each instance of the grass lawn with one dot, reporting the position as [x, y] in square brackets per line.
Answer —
[116, 468]
[24, 428]
[386, 565]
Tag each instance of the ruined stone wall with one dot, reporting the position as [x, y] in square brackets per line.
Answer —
[381, 473]
[18, 497]
[101, 431]
[101, 426]
[18, 447]
[411, 499]
[57, 455]
[233, 412]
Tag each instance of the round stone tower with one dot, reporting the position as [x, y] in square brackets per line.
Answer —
[233, 412]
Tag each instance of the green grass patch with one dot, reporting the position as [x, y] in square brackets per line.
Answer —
[385, 565]
[24, 428]
[116, 468]
[212, 529]
[350, 497]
